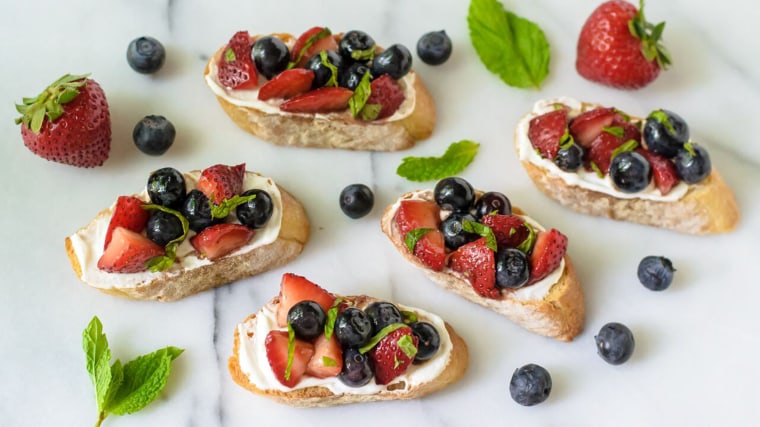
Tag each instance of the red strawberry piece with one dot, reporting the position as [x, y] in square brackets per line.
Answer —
[546, 131]
[327, 360]
[388, 356]
[510, 230]
[294, 289]
[322, 100]
[630, 131]
[68, 123]
[318, 39]
[547, 254]
[219, 240]
[128, 252]
[287, 84]
[586, 127]
[384, 91]
[127, 213]
[220, 182]
[618, 48]
[663, 171]
[236, 67]
[430, 248]
[276, 345]
[600, 152]
[478, 263]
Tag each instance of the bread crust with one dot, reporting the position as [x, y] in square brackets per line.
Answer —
[559, 314]
[333, 131]
[293, 236]
[321, 396]
[707, 207]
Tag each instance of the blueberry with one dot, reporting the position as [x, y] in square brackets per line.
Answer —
[655, 272]
[307, 318]
[353, 75]
[665, 132]
[630, 172]
[382, 314]
[356, 46]
[145, 55]
[166, 187]
[429, 340]
[353, 327]
[434, 48]
[322, 72]
[197, 210]
[357, 370]
[154, 135]
[255, 213]
[569, 158]
[492, 202]
[270, 55]
[395, 61]
[356, 200]
[454, 194]
[693, 163]
[452, 228]
[614, 343]
[530, 385]
[163, 227]
[512, 268]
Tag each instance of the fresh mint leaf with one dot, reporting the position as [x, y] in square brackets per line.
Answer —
[527, 245]
[333, 80]
[614, 130]
[164, 262]
[309, 42]
[457, 157]
[629, 145]
[509, 46]
[406, 344]
[371, 112]
[413, 236]
[361, 95]
[291, 351]
[409, 316]
[482, 230]
[98, 359]
[379, 336]
[222, 210]
[332, 314]
[144, 378]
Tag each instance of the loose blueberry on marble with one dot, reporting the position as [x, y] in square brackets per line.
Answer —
[145, 55]
[197, 210]
[492, 202]
[530, 385]
[570, 158]
[356, 368]
[255, 213]
[693, 163]
[429, 340]
[454, 194]
[512, 268]
[163, 227]
[352, 327]
[434, 48]
[166, 187]
[665, 132]
[154, 135]
[356, 46]
[307, 318]
[271, 56]
[382, 314]
[655, 272]
[453, 231]
[356, 200]
[630, 172]
[395, 61]
[614, 343]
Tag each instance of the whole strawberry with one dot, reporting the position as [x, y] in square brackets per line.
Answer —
[618, 48]
[68, 122]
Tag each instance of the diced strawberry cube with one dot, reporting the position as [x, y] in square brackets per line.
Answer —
[510, 230]
[276, 345]
[327, 360]
[664, 171]
[128, 252]
[294, 289]
[545, 132]
[327, 42]
[478, 264]
[587, 126]
[127, 213]
[415, 214]
[219, 240]
[547, 254]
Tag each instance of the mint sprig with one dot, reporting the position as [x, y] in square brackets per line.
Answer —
[457, 157]
[123, 389]
[513, 48]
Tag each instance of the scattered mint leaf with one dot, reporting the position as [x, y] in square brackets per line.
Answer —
[333, 80]
[361, 95]
[661, 117]
[596, 169]
[291, 350]
[223, 209]
[329, 361]
[629, 145]
[566, 141]
[379, 336]
[690, 149]
[406, 344]
[98, 356]
[527, 245]
[229, 55]
[409, 316]
[164, 262]
[332, 314]
[482, 230]
[371, 112]
[363, 55]
[509, 46]
[614, 130]
[457, 157]
[414, 236]
[309, 42]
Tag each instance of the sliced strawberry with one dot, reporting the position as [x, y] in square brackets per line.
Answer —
[586, 127]
[326, 42]
[386, 93]
[127, 213]
[546, 131]
[322, 100]
[478, 264]
[547, 254]
[600, 152]
[510, 230]
[415, 214]
[276, 345]
[389, 357]
[294, 289]
[630, 131]
[327, 360]
[287, 84]
[236, 67]
[663, 171]
[219, 240]
[221, 182]
[128, 252]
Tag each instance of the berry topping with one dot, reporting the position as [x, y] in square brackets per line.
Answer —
[352, 327]
[127, 213]
[128, 252]
[395, 61]
[630, 172]
[236, 67]
[599, 155]
[163, 227]
[357, 46]
[587, 126]
[419, 219]
[294, 289]
[547, 254]
[145, 55]
[492, 202]
[655, 272]
[547, 131]
[288, 373]
[454, 234]
[429, 341]
[154, 135]
[510, 231]
[665, 132]
[393, 354]
[327, 360]
[255, 212]
[353, 75]
[434, 48]
[664, 171]
[454, 194]
[220, 182]
[512, 268]
[219, 240]
[307, 318]
[530, 385]
[382, 314]
[477, 263]
[197, 210]
[569, 158]
[166, 187]
[614, 343]
[287, 84]
[322, 100]
[386, 93]
[693, 163]
[356, 200]
[314, 40]
[270, 55]
[357, 368]
[327, 67]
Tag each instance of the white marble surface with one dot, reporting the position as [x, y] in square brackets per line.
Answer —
[697, 343]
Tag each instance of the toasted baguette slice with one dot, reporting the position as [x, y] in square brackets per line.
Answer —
[179, 282]
[706, 207]
[332, 130]
[319, 396]
[558, 313]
